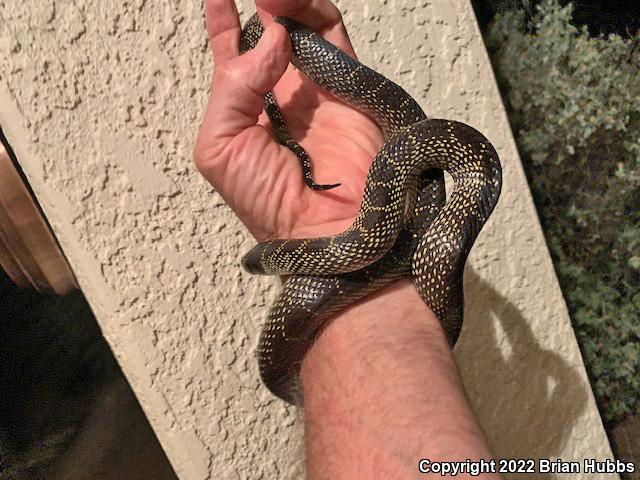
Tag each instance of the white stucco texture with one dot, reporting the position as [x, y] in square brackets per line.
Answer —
[101, 102]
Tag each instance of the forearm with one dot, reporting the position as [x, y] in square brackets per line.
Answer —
[382, 392]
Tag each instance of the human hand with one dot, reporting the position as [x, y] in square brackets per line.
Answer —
[235, 150]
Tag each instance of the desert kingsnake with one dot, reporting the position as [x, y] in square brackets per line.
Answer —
[430, 242]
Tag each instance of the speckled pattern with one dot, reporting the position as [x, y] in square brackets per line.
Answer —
[439, 255]
[415, 146]
[306, 302]
[101, 102]
[251, 33]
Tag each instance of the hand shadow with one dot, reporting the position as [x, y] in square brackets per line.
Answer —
[528, 398]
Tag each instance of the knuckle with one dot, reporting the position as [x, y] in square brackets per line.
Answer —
[229, 71]
[210, 157]
[204, 155]
[203, 162]
[197, 156]
[334, 14]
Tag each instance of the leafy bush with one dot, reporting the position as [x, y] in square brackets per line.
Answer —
[574, 105]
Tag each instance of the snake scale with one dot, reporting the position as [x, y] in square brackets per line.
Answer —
[404, 226]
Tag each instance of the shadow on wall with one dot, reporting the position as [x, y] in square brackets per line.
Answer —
[542, 397]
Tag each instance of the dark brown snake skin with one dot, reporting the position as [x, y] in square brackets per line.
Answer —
[404, 227]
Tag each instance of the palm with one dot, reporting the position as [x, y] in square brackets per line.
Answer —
[341, 143]
[259, 178]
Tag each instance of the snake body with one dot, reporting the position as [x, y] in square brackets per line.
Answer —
[403, 228]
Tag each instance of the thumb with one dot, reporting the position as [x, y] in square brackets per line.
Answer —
[240, 83]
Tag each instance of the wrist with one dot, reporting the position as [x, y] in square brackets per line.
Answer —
[381, 332]
[382, 391]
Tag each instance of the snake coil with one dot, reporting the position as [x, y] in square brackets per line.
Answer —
[384, 243]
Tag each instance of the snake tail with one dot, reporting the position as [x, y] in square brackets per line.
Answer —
[251, 33]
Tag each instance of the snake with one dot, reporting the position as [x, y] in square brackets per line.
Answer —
[406, 226]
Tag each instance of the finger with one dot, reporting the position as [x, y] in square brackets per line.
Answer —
[239, 86]
[223, 27]
[321, 16]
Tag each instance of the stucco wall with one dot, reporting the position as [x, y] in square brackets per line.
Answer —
[101, 102]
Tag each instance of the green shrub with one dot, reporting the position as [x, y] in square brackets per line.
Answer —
[574, 106]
